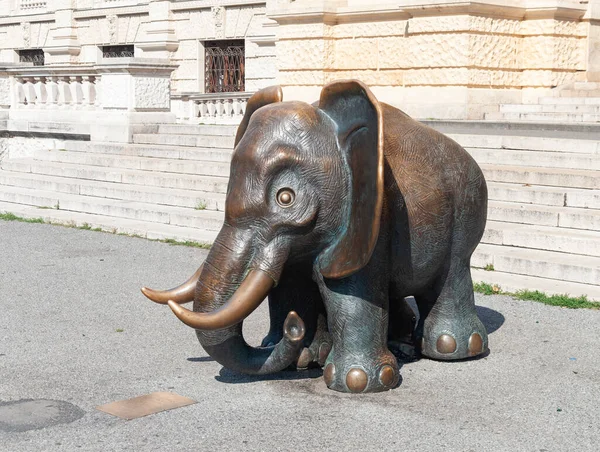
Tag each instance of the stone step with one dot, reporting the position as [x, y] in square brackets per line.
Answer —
[150, 230]
[209, 184]
[165, 165]
[510, 282]
[554, 117]
[192, 129]
[146, 150]
[560, 217]
[203, 219]
[549, 238]
[541, 159]
[579, 93]
[580, 108]
[528, 143]
[585, 86]
[545, 264]
[542, 195]
[569, 100]
[127, 192]
[215, 141]
[555, 177]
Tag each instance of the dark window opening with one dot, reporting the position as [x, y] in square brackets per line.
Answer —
[225, 66]
[123, 51]
[35, 56]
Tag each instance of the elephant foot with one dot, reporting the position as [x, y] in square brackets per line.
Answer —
[452, 339]
[375, 373]
[316, 354]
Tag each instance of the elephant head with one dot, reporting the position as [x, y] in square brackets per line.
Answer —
[306, 187]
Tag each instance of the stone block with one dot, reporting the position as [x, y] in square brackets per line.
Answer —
[437, 76]
[304, 31]
[370, 29]
[370, 77]
[315, 54]
[263, 67]
[447, 50]
[359, 53]
[494, 51]
[302, 78]
[392, 52]
[557, 27]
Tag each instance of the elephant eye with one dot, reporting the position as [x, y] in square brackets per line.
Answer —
[286, 197]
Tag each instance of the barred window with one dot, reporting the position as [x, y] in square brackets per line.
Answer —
[122, 51]
[225, 66]
[35, 56]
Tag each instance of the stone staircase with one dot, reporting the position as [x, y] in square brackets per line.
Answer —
[575, 102]
[543, 228]
[170, 184]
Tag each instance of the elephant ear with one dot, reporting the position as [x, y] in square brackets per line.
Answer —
[357, 115]
[259, 99]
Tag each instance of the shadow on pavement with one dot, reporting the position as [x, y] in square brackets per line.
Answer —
[201, 359]
[229, 376]
[492, 320]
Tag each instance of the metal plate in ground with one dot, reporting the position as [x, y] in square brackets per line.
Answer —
[145, 405]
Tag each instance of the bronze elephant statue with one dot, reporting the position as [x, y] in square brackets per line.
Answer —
[337, 211]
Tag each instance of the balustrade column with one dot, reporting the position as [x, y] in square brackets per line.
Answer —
[76, 91]
[87, 85]
[64, 94]
[51, 91]
[40, 91]
[29, 92]
[19, 92]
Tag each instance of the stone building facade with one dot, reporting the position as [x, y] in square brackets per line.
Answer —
[454, 59]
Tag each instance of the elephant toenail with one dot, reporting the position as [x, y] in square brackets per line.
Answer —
[305, 359]
[446, 344]
[356, 380]
[324, 350]
[475, 344]
[329, 374]
[387, 376]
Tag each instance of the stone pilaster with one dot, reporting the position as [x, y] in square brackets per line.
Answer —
[160, 39]
[63, 44]
[593, 44]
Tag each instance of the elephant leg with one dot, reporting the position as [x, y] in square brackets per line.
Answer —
[449, 326]
[357, 312]
[298, 292]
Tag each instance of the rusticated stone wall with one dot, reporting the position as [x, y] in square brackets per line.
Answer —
[461, 61]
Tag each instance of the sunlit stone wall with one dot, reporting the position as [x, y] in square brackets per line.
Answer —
[442, 60]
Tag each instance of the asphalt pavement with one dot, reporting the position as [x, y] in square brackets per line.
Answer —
[75, 333]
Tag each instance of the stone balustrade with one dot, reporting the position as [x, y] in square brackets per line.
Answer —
[102, 100]
[56, 92]
[217, 108]
[33, 5]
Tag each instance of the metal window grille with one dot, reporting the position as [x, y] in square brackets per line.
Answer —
[225, 66]
[35, 56]
[122, 51]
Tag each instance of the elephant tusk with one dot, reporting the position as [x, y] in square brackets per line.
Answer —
[249, 295]
[183, 293]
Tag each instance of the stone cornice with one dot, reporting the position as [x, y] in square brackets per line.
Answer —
[204, 4]
[107, 66]
[330, 13]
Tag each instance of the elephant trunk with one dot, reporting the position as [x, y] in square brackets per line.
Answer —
[228, 290]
